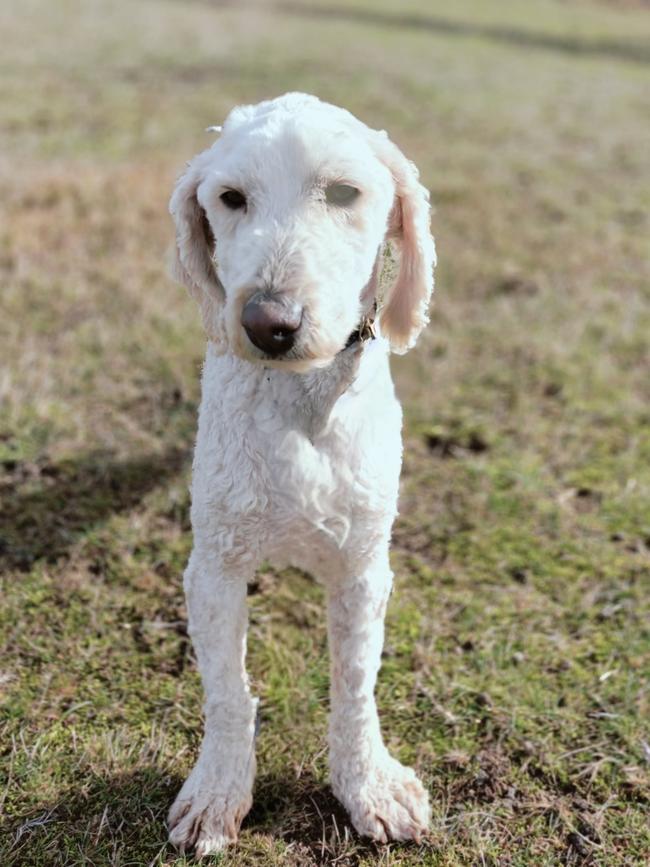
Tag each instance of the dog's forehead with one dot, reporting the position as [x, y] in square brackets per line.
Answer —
[297, 141]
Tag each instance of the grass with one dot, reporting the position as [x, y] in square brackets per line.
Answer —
[516, 667]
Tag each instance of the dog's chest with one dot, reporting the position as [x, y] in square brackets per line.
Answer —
[262, 459]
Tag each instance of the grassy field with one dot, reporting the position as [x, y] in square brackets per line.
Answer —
[517, 664]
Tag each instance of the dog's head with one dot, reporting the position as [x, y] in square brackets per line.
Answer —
[281, 227]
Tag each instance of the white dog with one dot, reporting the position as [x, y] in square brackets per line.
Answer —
[281, 230]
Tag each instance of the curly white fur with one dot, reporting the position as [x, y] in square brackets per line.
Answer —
[297, 459]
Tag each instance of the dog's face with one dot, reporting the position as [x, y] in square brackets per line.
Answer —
[280, 230]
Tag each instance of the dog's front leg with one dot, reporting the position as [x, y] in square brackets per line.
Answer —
[385, 799]
[217, 795]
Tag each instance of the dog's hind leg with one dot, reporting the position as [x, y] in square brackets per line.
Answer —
[218, 793]
[385, 799]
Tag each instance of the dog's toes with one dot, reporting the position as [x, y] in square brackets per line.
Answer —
[209, 845]
[207, 818]
[387, 803]
[206, 824]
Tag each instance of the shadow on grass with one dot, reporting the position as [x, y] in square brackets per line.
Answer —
[109, 820]
[122, 819]
[47, 506]
[305, 814]
[636, 52]
[620, 49]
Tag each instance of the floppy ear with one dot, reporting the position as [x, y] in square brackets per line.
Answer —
[405, 305]
[194, 265]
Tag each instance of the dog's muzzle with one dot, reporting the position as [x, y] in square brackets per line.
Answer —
[271, 322]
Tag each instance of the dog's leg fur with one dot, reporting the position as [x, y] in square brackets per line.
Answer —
[218, 793]
[385, 799]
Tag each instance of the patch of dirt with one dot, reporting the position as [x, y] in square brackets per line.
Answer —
[454, 441]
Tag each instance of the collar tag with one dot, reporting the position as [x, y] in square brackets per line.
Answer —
[367, 329]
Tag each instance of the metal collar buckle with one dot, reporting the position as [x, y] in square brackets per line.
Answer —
[367, 329]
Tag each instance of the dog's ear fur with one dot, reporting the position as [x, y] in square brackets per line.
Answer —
[193, 264]
[405, 307]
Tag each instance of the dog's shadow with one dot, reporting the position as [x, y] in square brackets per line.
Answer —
[47, 506]
[126, 814]
[303, 812]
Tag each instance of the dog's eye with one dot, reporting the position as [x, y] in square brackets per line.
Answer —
[233, 199]
[341, 194]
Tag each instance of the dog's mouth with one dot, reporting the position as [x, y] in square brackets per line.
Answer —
[297, 359]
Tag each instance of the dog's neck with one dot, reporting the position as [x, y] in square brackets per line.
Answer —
[305, 400]
[321, 389]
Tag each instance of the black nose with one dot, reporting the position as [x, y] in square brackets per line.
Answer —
[271, 322]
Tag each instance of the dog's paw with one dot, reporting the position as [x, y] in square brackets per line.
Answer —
[385, 802]
[207, 813]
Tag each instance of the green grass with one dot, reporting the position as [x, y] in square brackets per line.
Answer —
[517, 660]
